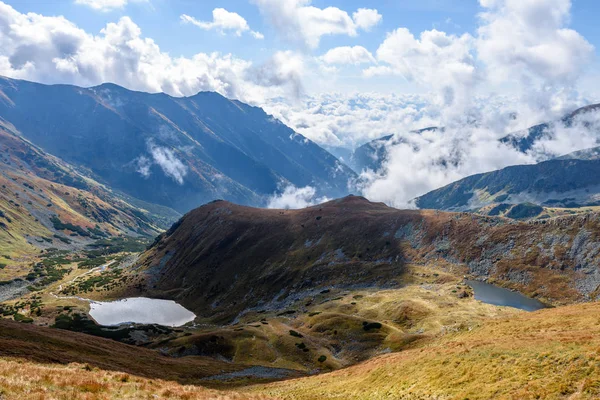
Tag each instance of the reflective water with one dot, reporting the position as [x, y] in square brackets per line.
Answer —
[140, 310]
[498, 296]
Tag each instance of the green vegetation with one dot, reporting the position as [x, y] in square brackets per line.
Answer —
[47, 272]
[322, 359]
[92, 263]
[117, 245]
[61, 226]
[526, 210]
[295, 334]
[107, 280]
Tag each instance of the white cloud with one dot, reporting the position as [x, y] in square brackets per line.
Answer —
[366, 18]
[54, 50]
[435, 60]
[223, 21]
[107, 5]
[348, 55]
[295, 198]
[349, 120]
[168, 162]
[299, 22]
[528, 41]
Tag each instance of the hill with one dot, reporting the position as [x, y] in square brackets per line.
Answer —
[38, 362]
[549, 354]
[176, 152]
[222, 260]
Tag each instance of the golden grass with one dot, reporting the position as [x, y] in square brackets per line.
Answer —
[549, 354]
[332, 326]
[20, 379]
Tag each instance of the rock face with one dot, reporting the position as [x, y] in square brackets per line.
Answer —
[222, 259]
[176, 152]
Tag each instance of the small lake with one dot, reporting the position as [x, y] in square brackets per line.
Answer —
[498, 296]
[140, 310]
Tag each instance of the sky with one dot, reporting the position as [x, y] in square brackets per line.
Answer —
[339, 72]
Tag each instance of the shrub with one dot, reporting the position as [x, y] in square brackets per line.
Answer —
[21, 318]
[322, 359]
[295, 334]
[367, 326]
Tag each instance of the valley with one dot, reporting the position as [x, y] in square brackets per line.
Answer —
[415, 318]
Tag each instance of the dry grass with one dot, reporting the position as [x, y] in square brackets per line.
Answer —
[20, 379]
[45, 345]
[332, 326]
[550, 354]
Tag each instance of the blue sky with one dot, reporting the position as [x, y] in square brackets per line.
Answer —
[159, 19]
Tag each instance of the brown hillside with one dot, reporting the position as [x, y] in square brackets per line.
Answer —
[50, 346]
[222, 259]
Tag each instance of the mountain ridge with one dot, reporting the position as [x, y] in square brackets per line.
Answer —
[177, 152]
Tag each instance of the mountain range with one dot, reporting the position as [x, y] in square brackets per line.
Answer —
[108, 194]
[373, 154]
[174, 152]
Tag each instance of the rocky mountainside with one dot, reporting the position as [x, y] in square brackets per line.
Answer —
[176, 152]
[222, 260]
[45, 202]
[555, 183]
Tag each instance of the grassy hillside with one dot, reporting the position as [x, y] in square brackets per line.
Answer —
[549, 354]
[46, 203]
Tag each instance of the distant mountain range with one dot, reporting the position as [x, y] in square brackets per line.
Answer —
[373, 154]
[556, 183]
[175, 152]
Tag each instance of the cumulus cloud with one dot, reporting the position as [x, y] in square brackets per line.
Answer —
[295, 198]
[54, 50]
[223, 21]
[436, 60]
[283, 69]
[107, 5]
[348, 55]
[299, 22]
[529, 41]
[366, 18]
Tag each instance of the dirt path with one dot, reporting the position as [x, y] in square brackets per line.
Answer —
[91, 271]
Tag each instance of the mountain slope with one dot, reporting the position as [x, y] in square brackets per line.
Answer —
[44, 202]
[222, 260]
[177, 152]
[549, 354]
[561, 182]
